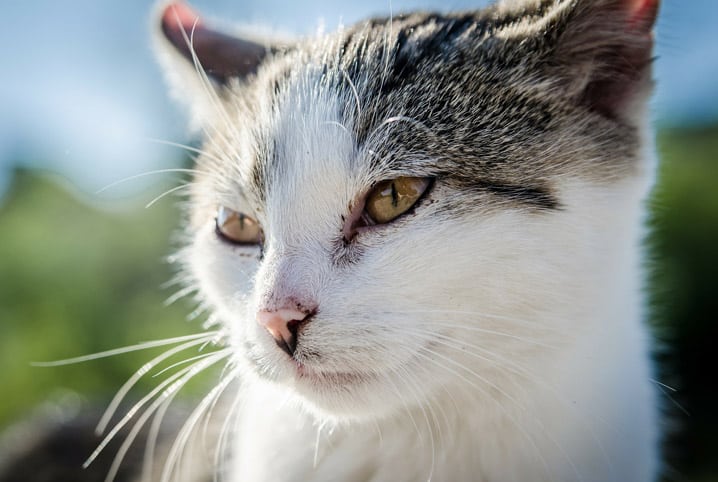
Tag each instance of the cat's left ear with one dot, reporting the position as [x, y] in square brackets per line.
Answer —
[603, 51]
[200, 60]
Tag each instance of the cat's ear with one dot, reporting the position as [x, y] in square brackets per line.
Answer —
[200, 60]
[601, 52]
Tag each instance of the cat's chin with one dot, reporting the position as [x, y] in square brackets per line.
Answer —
[348, 396]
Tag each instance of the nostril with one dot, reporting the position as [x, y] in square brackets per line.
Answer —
[293, 326]
[283, 325]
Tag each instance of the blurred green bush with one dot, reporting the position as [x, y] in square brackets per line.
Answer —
[684, 294]
[76, 280]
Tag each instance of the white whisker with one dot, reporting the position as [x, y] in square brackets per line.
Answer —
[132, 411]
[493, 332]
[148, 173]
[471, 372]
[224, 430]
[186, 430]
[132, 381]
[119, 351]
[187, 185]
[183, 362]
[166, 397]
[478, 315]
[187, 148]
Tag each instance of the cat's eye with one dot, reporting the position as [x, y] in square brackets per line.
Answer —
[237, 228]
[390, 199]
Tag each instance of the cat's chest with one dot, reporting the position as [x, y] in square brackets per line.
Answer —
[277, 441]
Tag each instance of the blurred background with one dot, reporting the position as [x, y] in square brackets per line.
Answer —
[83, 105]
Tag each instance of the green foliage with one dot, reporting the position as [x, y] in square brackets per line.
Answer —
[685, 293]
[76, 280]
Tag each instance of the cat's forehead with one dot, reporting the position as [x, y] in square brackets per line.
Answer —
[450, 96]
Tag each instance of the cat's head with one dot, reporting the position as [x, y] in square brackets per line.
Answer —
[417, 202]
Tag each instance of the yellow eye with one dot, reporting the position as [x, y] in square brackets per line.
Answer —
[237, 228]
[390, 199]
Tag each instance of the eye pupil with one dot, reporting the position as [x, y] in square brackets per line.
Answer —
[237, 228]
[390, 199]
[394, 196]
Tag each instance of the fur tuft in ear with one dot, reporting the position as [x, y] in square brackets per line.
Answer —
[604, 52]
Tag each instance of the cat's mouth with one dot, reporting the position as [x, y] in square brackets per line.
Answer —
[318, 377]
[324, 386]
[303, 373]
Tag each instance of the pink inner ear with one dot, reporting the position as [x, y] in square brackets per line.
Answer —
[220, 55]
[643, 14]
[178, 17]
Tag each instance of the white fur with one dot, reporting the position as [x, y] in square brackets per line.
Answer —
[510, 348]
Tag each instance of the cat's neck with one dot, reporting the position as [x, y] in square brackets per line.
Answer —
[457, 435]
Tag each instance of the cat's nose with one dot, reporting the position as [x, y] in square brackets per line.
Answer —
[283, 324]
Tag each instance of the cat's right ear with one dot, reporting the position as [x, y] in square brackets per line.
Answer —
[200, 61]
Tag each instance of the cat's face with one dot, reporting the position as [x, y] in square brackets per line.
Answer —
[417, 204]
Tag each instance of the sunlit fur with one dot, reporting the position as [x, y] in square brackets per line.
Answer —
[481, 337]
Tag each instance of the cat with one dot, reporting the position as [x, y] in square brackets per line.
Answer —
[420, 241]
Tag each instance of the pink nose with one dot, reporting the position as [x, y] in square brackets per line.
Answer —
[283, 325]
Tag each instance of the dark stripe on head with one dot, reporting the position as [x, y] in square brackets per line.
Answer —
[537, 197]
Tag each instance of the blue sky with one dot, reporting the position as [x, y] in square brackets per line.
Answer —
[81, 95]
